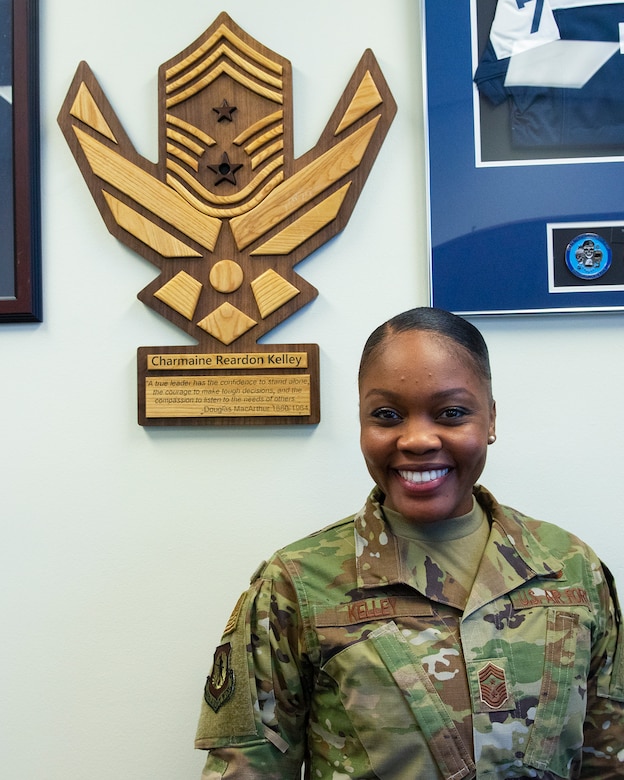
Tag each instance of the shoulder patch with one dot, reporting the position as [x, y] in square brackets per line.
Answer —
[230, 712]
[221, 681]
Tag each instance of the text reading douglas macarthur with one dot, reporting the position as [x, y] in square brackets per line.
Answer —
[260, 395]
[243, 360]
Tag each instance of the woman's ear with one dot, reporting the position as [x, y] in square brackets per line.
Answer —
[492, 428]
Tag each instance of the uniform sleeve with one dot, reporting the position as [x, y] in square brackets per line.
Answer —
[603, 749]
[254, 710]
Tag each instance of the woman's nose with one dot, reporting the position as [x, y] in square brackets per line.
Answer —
[419, 436]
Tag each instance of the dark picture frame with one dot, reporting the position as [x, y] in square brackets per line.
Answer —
[20, 214]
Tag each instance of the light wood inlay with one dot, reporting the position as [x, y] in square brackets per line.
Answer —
[250, 131]
[148, 191]
[206, 139]
[208, 63]
[185, 141]
[299, 231]
[226, 276]
[227, 323]
[226, 212]
[365, 99]
[183, 156]
[237, 197]
[266, 138]
[86, 110]
[272, 291]
[235, 75]
[223, 32]
[146, 231]
[278, 146]
[181, 294]
[303, 186]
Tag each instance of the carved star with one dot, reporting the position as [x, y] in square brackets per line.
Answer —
[225, 111]
[225, 170]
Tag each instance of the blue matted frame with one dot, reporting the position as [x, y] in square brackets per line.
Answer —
[501, 219]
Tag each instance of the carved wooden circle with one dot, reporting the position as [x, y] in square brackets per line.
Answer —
[226, 276]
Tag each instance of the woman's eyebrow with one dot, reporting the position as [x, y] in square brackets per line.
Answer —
[451, 392]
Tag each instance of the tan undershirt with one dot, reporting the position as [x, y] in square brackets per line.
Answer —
[455, 545]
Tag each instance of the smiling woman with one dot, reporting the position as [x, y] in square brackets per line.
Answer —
[435, 633]
[426, 418]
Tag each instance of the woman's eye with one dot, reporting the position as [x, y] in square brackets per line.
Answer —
[454, 413]
[387, 414]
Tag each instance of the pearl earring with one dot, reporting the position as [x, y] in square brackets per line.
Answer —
[491, 439]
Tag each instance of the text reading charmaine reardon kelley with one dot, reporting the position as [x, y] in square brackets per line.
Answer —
[235, 360]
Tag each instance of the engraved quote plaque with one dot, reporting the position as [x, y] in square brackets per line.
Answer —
[226, 214]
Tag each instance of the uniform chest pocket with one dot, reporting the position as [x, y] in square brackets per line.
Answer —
[557, 733]
[548, 660]
[396, 711]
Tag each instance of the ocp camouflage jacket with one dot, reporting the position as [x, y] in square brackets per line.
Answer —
[349, 659]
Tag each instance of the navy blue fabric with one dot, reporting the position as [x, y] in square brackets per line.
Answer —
[592, 115]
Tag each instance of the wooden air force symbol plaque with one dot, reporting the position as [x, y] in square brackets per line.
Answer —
[225, 215]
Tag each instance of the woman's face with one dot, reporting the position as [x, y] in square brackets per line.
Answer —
[425, 415]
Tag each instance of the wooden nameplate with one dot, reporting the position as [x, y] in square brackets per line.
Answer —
[276, 383]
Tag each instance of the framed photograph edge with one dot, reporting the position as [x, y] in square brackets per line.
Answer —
[25, 305]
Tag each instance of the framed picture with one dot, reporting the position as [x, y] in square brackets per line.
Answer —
[525, 144]
[20, 247]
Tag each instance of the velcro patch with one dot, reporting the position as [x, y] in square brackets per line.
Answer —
[233, 620]
[383, 607]
[220, 684]
[525, 598]
[493, 685]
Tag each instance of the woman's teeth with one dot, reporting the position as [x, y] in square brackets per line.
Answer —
[423, 476]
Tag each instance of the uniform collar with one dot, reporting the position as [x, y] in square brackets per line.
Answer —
[513, 556]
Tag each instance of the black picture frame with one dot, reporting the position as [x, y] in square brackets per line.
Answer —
[20, 213]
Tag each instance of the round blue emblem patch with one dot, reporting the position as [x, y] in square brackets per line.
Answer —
[588, 256]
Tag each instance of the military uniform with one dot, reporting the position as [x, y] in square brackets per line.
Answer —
[344, 659]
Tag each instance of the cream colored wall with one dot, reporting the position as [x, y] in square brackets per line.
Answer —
[124, 548]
